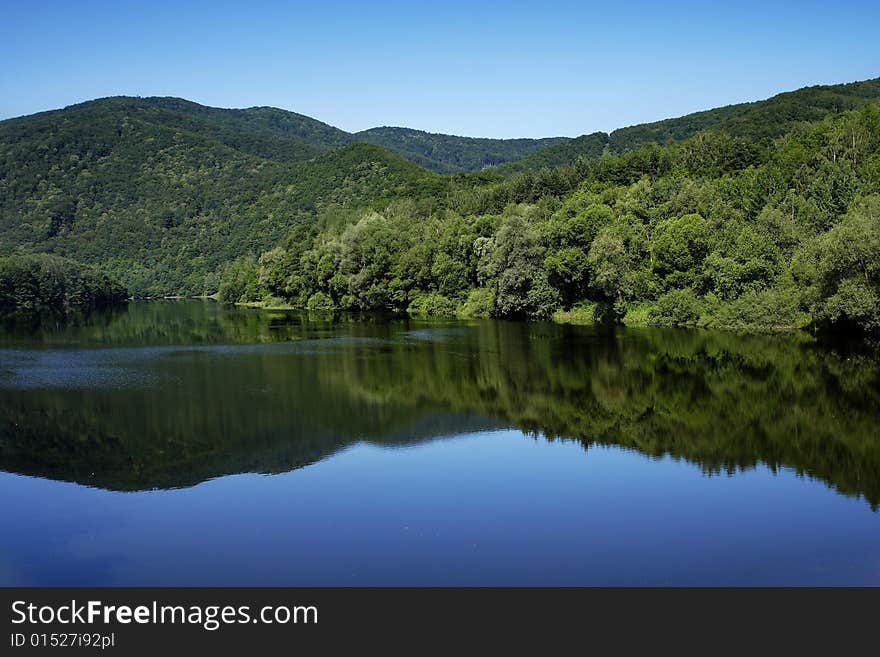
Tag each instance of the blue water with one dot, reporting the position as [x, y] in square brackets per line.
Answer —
[399, 454]
[494, 508]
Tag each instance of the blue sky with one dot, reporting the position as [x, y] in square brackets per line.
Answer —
[494, 69]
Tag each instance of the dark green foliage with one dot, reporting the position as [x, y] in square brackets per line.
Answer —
[239, 282]
[163, 209]
[480, 304]
[611, 267]
[679, 246]
[848, 269]
[555, 155]
[678, 308]
[511, 263]
[45, 281]
[568, 271]
[766, 221]
[713, 399]
[768, 309]
[431, 305]
[320, 301]
[755, 122]
[284, 136]
[450, 154]
[714, 231]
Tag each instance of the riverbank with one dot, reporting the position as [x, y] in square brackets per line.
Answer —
[637, 316]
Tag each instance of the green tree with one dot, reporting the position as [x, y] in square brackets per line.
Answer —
[679, 247]
[848, 270]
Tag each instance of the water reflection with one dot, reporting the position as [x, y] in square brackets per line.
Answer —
[165, 395]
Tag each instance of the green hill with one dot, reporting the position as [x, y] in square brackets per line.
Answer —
[267, 132]
[561, 154]
[715, 231]
[285, 136]
[449, 154]
[758, 120]
[163, 194]
[160, 207]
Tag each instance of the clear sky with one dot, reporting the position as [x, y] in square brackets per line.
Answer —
[481, 68]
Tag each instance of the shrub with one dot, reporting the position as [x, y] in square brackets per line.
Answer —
[479, 304]
[431, 305]
[676, 308]
[542, 298]
[769, 309]
[320, 301]
[637, 314]
[581, 313]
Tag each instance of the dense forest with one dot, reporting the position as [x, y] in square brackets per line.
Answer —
[45, 281]
[450, 154]
[754, 216]
[715, 231]
[162, 209]
[761, 120]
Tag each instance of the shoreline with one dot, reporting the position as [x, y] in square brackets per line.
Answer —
[570, 317]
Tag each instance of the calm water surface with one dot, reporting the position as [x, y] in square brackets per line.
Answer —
[188, 444]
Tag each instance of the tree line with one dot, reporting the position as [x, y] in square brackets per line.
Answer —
[34, 281]
[715, 231]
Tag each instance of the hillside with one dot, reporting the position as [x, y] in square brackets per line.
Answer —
[449, 154]
[560, 154]
[161, 207]
[715, 231]
[266, 132]
[758, 120]
[285, 136]
[163, 195]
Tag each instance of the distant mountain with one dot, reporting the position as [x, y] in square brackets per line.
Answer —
[263, 131]
[758, 120]
[285, 136]
[561, 154]
[448, 154]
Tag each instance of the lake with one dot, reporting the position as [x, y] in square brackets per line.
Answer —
[184, 443]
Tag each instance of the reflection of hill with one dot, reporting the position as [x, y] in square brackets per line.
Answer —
[720, 401]
[141, 441]
[155, 323]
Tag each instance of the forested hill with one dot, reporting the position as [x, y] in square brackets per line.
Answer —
[449, 154]
[285, 136]
[170, 197]
[714, 231]
[759, 120]
[161, 203]
[263, 131]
